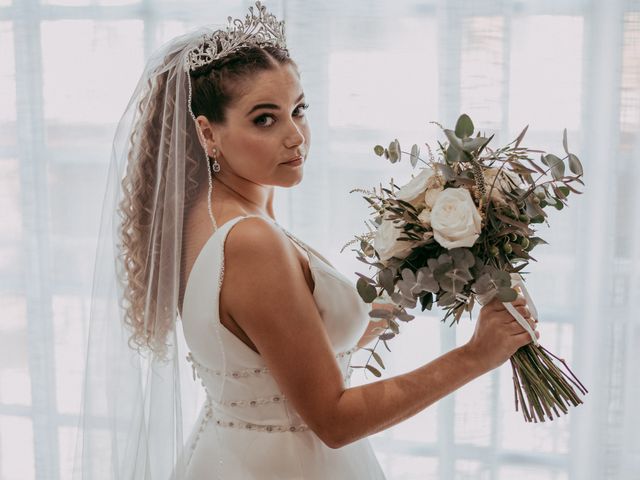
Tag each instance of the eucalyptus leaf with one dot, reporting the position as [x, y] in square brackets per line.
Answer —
[447, 299]
[483, 284]
[555, 164]
[472, 144]
[378, 358]
[453, 155]
[574, 165]
[405, 317]
[394, 152]
[381, 313]
[521, 169]
[573, 189]
[394, 327]
[464, 126]
[373, 370]
[415, 153]
[366, 279]
[454, 141]
[507, 294]
[403, 301]
[561, 192]
[426, 280]
[521, 136]
[408, 275]
[385, 278]
[455, 280]
[501, 279]
[564, 141]
[366, 291]
[462, 257]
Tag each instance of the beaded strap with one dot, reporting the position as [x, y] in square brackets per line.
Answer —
[195, 365]
[208, 414]
[263, 428]
[253, 403]
[306, 247]
[244, 425]
[349, 372]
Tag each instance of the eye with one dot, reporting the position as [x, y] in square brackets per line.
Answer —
[304, 106]
[258, 120]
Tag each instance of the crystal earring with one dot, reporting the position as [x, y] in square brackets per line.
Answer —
[216, 165]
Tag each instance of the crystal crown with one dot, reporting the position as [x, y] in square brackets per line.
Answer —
[259, 29]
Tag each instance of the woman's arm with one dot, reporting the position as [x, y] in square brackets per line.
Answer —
[261, 265]
[367, 409]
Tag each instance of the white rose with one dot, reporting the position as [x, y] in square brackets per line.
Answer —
[386, 241]
[425, 216]
[431, 196]
[455, 219]
[413, 191]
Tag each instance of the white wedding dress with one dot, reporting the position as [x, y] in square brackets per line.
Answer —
[260, 435]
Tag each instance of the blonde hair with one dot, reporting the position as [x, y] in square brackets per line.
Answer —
[141, 228]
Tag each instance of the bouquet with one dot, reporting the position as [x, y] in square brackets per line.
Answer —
[462, 230]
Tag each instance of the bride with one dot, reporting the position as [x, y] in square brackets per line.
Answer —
[270, 325]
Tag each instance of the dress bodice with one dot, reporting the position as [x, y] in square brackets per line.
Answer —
[261, 436]
[240, 389]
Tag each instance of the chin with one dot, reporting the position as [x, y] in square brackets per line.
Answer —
[291, 181]
[295, 182]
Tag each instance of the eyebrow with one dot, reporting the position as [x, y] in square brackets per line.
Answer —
[271, 105]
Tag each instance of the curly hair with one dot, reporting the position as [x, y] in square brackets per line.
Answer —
[214, 89]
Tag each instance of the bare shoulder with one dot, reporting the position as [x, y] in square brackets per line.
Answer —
[258, 254]
[255, 233]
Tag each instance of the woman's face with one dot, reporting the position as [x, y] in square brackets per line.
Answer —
[266, 127]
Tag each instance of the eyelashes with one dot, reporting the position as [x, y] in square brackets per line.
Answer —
[258, 120]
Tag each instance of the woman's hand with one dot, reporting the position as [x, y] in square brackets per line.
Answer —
[498, 335]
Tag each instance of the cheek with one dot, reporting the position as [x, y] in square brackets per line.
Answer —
[251, 145]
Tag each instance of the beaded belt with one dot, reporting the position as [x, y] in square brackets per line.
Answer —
[208, 414]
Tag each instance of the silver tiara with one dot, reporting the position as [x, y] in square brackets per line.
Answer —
[258, 30]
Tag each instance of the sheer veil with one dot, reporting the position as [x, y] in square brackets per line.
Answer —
[139, 403]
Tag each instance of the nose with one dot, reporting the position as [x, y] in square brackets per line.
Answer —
[295, 136]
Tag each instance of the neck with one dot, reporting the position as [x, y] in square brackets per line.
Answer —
[255, 199]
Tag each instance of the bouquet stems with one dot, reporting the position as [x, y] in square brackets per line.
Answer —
[540, 386]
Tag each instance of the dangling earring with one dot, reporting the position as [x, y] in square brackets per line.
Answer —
[216, 165]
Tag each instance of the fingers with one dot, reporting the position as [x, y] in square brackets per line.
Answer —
[507, 317]
[524, 338]
[516, 329]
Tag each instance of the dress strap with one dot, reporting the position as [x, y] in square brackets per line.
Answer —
[307, 247]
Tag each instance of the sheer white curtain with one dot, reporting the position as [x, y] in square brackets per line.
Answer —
[372, 71]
